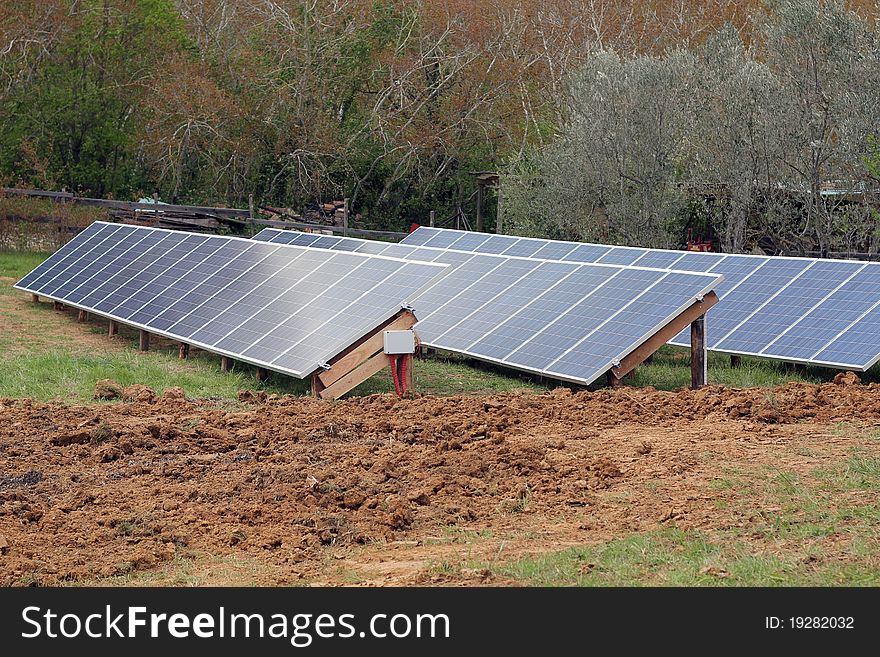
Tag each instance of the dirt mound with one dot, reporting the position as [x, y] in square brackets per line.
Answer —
[105, 490]
[107, 389]
[174, 394]
[138, 393]
[847, 379]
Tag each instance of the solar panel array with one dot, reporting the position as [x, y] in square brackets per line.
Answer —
[825, 312]
[286, 308]
[566, 320]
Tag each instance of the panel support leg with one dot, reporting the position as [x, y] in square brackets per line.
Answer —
[82, 316]
[183, 352]
[35, 298]
[113, 328]
[57, 305]
[613, 381]
[262, 374]
[699, 356]
[226, 363]
[144, 343]
[317, 386]
[735, 361]
[408, 362]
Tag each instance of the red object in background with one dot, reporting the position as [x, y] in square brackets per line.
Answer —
[698, 244]
[413, 226]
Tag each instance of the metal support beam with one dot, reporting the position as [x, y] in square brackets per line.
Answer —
[699, 354]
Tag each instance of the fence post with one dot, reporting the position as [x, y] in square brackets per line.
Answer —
[345, 217]
[432, 219]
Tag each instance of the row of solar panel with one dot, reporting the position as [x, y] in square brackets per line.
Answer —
[285, 308]
[567, 320]
[797, 309]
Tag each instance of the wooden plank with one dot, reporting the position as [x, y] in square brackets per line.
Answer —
[613, 381]
[361, 350]
[113, 328]
[82, 316]
[225, 363]
[183, 351]
[353, 232]
[317, 386]
[699, 371]
[354, 378]
[144, 341]
[35, 298]
[408, 378]
[661, 337]
[124, 205]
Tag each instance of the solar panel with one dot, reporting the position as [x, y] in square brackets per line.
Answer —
[287, 308]
[564, 319]
[795, 309]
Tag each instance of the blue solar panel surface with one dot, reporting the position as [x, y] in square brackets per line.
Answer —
[286, 308]
[564, 319]
[797, 309]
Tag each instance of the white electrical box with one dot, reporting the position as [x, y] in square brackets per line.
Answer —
[400, 342]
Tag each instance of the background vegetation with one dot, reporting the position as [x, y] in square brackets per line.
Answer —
[602, 114]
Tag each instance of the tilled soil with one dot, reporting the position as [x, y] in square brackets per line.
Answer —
[313, 489]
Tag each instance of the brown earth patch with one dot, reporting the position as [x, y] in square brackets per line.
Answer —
[374, 489]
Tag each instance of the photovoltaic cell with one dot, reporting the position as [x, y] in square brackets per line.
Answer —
[783, 308]
[286, 308]
[560, 318]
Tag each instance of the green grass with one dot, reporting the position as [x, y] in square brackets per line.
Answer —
[15, 264]
[804, 531]
[670, 370]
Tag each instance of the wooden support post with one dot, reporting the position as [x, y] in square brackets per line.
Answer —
[345, 217]
[144, 343]
[226, 363]
[431, 220]
[661, 337]
[183, 352]
[262, 374]
[479, 207]
[735, 361]
[699, 360]
[57, 305]
[113, 328]
[408, 376]
[613, 381]
[317, 385]
[35, 298]
[82, 316]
